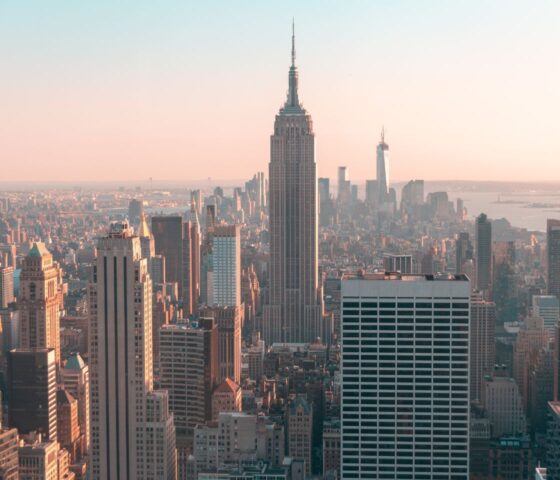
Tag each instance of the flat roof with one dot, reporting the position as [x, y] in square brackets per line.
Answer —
[405, 277]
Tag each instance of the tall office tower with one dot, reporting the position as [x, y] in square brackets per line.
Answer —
[405, 374]
[343, 194]
[460, 209]
[553, 256]
[324, 190]
[168, 236]
[189, 371]
[295, 302]
[196, 201]
[9, 469]
[191, 264]
[483, 343]
[483, 254]
[161, 456]
[68, 427]
[40, 300]
[531, 339]
[300, 431]
[548, 308]
[6, 286]
[121, 371]
[135, 211]
[382, 170]
[412, 194]
[210, 217]
[157, 270]
[226, 260]
[504, 281]
[206, 262]
[147, 243]
[250, 296]
[32, 391]
[463, 251]
[397, 263]
[229, 322]
[541, 389]
[502, 401]
[371, 193]
[75, 378]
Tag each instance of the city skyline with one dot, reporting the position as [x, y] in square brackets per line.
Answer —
[132, 97]
[279, 321]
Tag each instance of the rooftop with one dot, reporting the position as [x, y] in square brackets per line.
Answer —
[404, 277]
[38, 250]
[227, 386]
[75, 362]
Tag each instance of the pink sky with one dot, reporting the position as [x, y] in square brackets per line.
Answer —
[168, 100]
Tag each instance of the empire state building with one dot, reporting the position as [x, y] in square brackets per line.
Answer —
[294, 309]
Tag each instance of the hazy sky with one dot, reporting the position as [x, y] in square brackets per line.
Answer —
[125, 90]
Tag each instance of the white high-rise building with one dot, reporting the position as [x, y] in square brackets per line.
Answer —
[382, 170]
[120, 304]
[226, 260]
[405, 377]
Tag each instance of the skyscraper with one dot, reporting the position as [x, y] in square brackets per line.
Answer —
[120, 305]
[189, 371]
[191, 264]
[405, 377]
[324, 190]
[32, 391]
[40, 301]
[463, 251]
[343, 194]
[168, 236]
[553, 256]
[548, 308]
[147, 244]
[483, 343]
[382, 170]
[68, 427]
[228, 322]
[6, 285]
[483, 254]
[293, 313]
[135, 211]
[226, 260]
[75, 378]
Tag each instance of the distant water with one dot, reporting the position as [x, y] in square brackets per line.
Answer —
[526, 208]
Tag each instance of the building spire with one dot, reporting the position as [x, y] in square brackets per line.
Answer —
[383, 134]
[292, 102]
[293, 42]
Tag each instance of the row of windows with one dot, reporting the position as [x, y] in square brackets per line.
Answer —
[384, 304]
